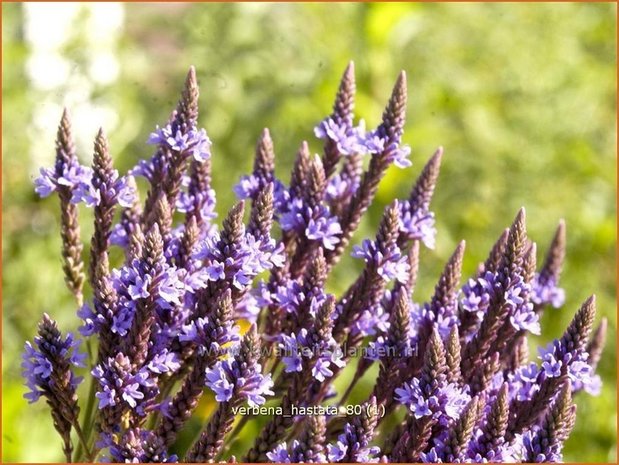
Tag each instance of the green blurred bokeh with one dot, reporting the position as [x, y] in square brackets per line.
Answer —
[521, 96]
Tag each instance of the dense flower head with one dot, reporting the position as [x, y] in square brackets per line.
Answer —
[116, 190]
[290, 296]
[249, 186]
[556, 360]
[351, 140]
[239, 263]
[479, 292]
[532, 450]
[316, 224]
[119, 383]
[73, 176]
[166, 320]
[349, 443]
[348, 139]
[228, 377]
[292, 453]
[187, 201]
[417, 224]
[444, 402]
[546, 291]
[254, 301]
[38, 365]
[423, 314]
[340, 186]
[137, 446]
[390, 265]
[322, 356]
[209, 335]
[194, 142]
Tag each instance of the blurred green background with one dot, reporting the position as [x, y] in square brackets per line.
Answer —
[521, 96]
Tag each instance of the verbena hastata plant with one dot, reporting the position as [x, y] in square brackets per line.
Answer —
[163, 326]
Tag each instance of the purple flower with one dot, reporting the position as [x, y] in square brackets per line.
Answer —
[193, 142]
[315, 224]
[337, 451]
[390, 265]
[115, 190]
[546, 291]
[39, 360]
[352, 445]
[417, 224]
[73, 175]
[119, 383]
[137, 446]
[443, 402]
[279, 454]
[240, 263]
[349, 140]
[208, 334]
[325, 230]
[320, 355]
[226, 379]
[164, 362]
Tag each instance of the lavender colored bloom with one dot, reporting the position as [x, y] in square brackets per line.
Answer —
[479, 292]
[38, 367]
[240, 263]
[444, 402]
[279, 454]
[417, 224]
[137, 446]
[73, 175]
[117, 190]
[349, 140]
[193, 142]
[424, 314]
[457, 366]
[120, 384]
[337, 451]
[225, 379]
[324, 230]
[546, 291]
[315, 224]
[254, 301]
[390, 266]
[340, 187]
[207, 335]
[351, 444]
[186, 203]
[323, 355]
[555, 357]
[164, 362]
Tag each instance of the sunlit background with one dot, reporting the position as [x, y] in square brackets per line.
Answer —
[521, 96]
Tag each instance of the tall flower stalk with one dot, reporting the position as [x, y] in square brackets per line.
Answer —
[165, 323]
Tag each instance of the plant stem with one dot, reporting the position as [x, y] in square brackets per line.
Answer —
[89, 408]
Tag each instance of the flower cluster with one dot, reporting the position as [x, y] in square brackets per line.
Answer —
[323, 353]
[165, 321]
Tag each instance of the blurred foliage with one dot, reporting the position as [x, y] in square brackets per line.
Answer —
[521, 96]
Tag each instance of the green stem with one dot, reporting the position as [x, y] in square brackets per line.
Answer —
[83, 444]
[89, 410]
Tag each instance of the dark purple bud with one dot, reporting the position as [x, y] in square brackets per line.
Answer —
[187, 109]
[452, 356]
[596, 344]
[422, 192]
[489, 442]
[264, 163]
[261, 215]
[298, 180]
[544, 444]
